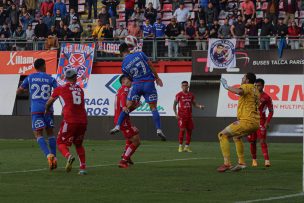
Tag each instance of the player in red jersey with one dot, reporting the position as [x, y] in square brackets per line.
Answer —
[185, 100]
[265, 102]
[74, 124]
[129, 131]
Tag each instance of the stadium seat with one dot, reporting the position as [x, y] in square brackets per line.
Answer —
[301, 14]
[81, 1]
[281, 14]
[121, 8]
[281, 5]
[167, 8]
[121, 17]
[166, 22]
[167, 16]
[264, 7]
[81, 8]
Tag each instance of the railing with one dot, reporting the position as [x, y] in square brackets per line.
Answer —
[156, 49]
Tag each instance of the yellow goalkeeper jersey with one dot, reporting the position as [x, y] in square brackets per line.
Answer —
[248, 104]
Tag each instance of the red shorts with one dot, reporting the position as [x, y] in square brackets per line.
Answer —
[71, 133]
[185, 123]
[128, 130]
[259, 134]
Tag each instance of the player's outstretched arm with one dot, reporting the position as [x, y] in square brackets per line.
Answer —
[159, 82]
[174, 108]
[199, 106]
[238, 91]
[49, 103]
[20, 90]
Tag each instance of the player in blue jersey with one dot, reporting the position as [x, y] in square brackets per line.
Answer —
[143, 75]
[40, 86]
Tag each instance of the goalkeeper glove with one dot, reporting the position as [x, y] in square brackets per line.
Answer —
[224, 83]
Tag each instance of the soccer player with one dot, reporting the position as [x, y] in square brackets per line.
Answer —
[248, 119]
[40, 86]
[74, 124]
[265, 103]
[129, 131]
[142, 73]
[185, 100]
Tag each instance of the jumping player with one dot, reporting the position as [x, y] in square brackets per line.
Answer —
[185, 100]
[40, 86]
[129, 131]
[140, 70]
[248, 119]
[265, 102]
[74, 123]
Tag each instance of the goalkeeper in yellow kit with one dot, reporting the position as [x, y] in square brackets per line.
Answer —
[248, 121]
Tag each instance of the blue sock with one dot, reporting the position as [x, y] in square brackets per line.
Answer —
[43, 145]
[52, 144]
[121, 118]
[156, 118]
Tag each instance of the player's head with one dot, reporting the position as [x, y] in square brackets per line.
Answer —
[39, 65]
[259, 83]
[71, 75]
[125, 80]
[185, 86]
[249, 78]
[124, 49]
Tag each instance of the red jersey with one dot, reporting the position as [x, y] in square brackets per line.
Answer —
[265, 102]
[72, 99]
[184, 101]
[120, 101]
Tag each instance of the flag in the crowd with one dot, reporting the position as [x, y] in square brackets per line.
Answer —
[79, 57]
[282, 45]
[221, 53]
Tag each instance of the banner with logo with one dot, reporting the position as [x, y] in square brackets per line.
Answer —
[9, 84]
[112, 47]
[286, 91]
[79, 57]
[22, 62]
[221, 54]
[100, 95]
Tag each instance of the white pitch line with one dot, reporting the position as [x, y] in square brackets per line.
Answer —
[113, 164]
[273, 198]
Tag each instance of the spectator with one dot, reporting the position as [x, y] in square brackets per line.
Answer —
[293, 35]
[29, 33]
[41, 31]
[129, 9]
[19, 35]
[138, 15]
[60, 6]
[98, 30]
[182, 14]
[224, 31]
[201, 36]
[182, 41]
[2, 15]
[290, 7]
[111, 8]
[155, 4]
[52, 32]
[5, 31]
[281, 30]
[175, 5]
[76, 34]
[214, 29]
[51, 43]
[31, 7]
[159, 28]
[108, 32]
[232, 19]
[104, 16]
[75, 26]
[73, 4]
[3, 43]
[57, 18]
[211, 14]
[25, 20]
[147, 29]
[135, 30]
[190, 30]
[92, 3]
[69, 17]
[267, 30]
[238, 31]
[203, 4]
[223, 5]
[48, 20]
[273, 10]
[200, 15]
[60, 30]
[120, 33]
[66, 33]
[247, 10]
[151, 13]
[252, 32]
[172, 31]
[302, 34]
[46, 6]
[13, 16]
[141, 4]
[86, 35]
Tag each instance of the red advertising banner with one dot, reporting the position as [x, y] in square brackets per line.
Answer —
[21, 62]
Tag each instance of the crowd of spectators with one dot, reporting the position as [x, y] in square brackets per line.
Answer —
[50, 22]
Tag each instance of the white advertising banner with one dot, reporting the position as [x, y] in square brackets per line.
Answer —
[9, 84]
[286, 91]
[100, 95]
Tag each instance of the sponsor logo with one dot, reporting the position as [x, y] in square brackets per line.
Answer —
[39, 124]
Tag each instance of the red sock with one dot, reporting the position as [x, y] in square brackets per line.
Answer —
[265, 150]
[181, 136]
[188, 136]
[64, 150]
[128, 142]
[253, 149]
[131, 149]
[81, 155]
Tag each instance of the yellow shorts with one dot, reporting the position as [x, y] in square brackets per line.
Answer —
[242, 128]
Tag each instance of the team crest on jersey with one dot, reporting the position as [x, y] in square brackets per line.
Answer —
[39, 124]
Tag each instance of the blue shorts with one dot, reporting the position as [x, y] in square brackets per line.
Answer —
[41, 121]
[145, 89]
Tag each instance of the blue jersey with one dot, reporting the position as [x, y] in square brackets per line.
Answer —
[40, 87]
[147, 30]
[137, 68]
[159, 29]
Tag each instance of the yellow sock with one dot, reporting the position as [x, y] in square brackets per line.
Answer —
[239, 145]
[225, 147]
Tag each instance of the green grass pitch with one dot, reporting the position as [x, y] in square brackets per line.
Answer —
[160, 174]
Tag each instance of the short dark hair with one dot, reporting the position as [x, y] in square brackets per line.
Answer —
[39, 63]
[251, 77]
[123, 48]
[260, 80]
[185, 82]
[122, 77]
